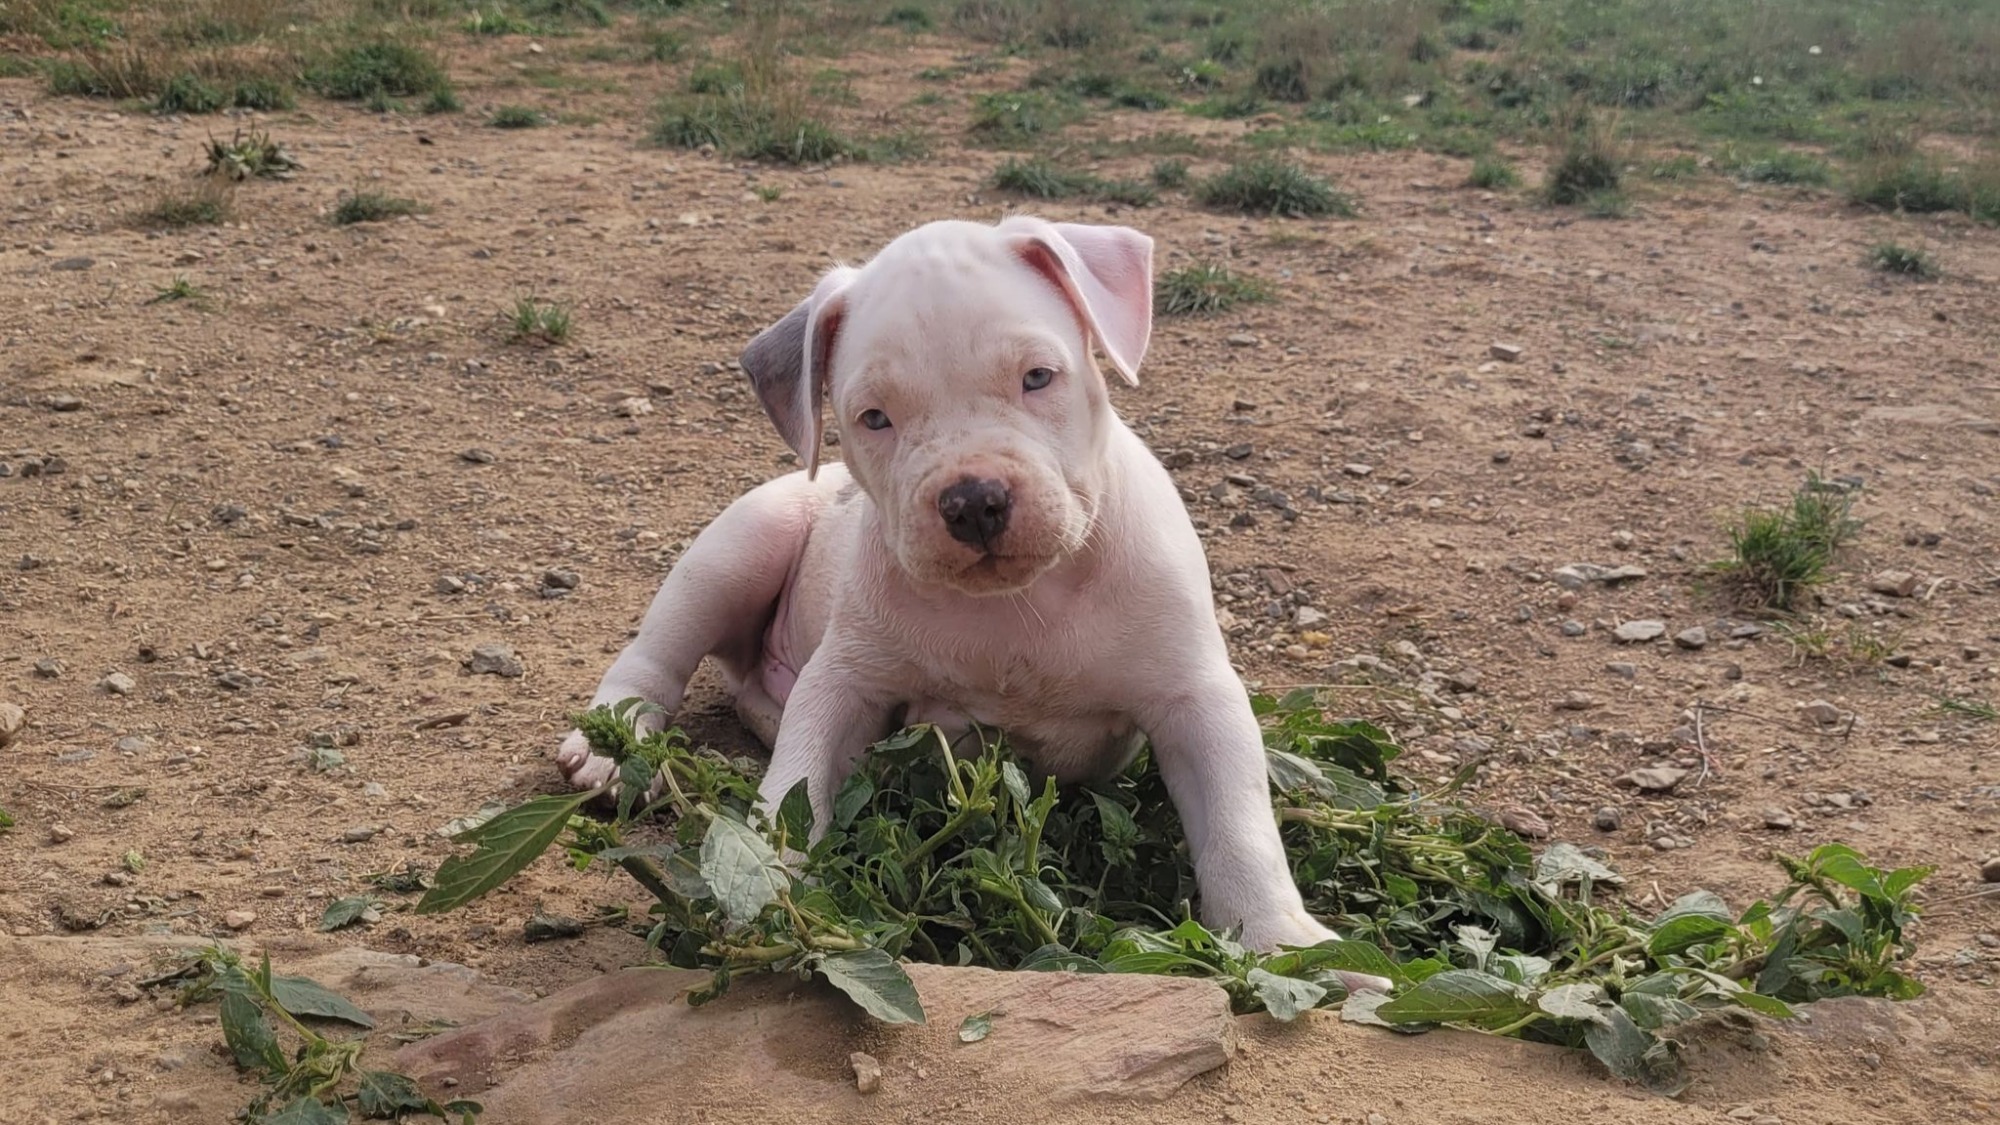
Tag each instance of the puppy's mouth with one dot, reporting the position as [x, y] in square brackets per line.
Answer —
[994, 573]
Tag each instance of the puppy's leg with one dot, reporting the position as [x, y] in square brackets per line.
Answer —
[716, 600]
[830, 720]
[1211, 754]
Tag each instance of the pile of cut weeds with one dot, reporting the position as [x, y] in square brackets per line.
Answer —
[950, 855]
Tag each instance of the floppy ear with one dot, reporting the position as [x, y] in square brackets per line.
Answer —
[788, 364]
[1107, 274]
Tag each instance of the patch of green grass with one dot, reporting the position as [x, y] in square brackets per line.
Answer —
[1040, 179]
[207, 201]
[498, 21]
[1203, 288]
[517, 117]
[1009, 120]
[539, 322]
[592, 12]
[1170, 174]
[249, 156]
[1917, 184]
[370, 206]
[1776, 554]
[1586, 164]
[1978, 710]
[908, 17]
[186, 93]
[1494, 173]
[1891, 257]
[1229, 107]
[1780, 166]
[746, 126]
[1610, 203]
[182, 288]
[1682, 166]
[380, 70]
[769, 193]
[1267, 185]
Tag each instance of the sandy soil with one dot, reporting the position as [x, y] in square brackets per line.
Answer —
[254, 509]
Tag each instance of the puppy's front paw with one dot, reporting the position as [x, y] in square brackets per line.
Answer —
[584, 769]
[1299, 929]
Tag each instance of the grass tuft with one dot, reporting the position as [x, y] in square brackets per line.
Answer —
[250, 156]
[1270, 186]
[1203, 288]
[378, 71]
[1494, 174]
[208, 201]
[535, 321]
[1891, 257]
[1586, 165]
[368, 206]
[1778, 553]
[517, 117]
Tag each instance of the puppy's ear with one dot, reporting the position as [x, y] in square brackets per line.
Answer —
[1107, 274]
[789, 366]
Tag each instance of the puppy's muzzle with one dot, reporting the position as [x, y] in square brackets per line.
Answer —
[975, 512]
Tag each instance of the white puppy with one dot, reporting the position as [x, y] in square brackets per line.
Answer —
[998, 547]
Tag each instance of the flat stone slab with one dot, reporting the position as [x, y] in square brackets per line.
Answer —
[625, 1046]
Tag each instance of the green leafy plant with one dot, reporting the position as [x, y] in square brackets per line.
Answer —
[1777, 553]
[516, 117]
[181, 288]
[1267, 185]
[1205, 287]
[369, 206]
[1892, 257]
[380, 70]
[1494, 174]
[1169, 174]
[320, 1079]
[949, 854]
[536, 321]
[252, 155]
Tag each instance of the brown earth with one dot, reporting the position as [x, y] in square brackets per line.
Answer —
[247, 508]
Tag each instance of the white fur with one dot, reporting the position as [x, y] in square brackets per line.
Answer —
[1090, 623]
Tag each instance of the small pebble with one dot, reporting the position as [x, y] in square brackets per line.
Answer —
[1607, 819]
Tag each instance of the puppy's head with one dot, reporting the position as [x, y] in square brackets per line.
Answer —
[958, 364]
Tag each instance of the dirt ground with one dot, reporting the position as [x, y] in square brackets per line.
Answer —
[288, 515]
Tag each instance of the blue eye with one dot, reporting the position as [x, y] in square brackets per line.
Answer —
[1037, 378]
[875, 419]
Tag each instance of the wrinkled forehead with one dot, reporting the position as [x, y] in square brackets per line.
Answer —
[957, 298]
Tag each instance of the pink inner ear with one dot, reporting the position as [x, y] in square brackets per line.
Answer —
[817, 384]
[1110, 290]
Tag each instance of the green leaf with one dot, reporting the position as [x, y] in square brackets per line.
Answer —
[795, 816]
[305, 997]
[1521, 968]
[1899, 881]
[305, 1111]
[854, 796]
[1479, 943]
[466, 1110]
[1055, 958]
[384, 1093]
[1459, 996]
[1696, 904]
[635, 780]
[1563, 864]
[1285, 997]
[1574, 1002]
[506, 844]
[1015, 781]
[247, 1032]
[346, 911]
[1340, 956]
[1635, 1054]
[742, 869]
[1683, 933]
[6, 820]
[1364, 1008]
[873, 979]
[975, 1028]
[1655, 1012]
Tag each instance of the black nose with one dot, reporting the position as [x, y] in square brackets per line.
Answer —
[975, 511]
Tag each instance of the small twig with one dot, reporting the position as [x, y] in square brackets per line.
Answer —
[1701, 745]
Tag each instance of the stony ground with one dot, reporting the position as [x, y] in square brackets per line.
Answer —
[254, 540]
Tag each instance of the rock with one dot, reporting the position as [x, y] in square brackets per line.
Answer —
[118, 683]
[1575, 701]
[133, 744]
[495, 660]
[1894, 583]
[1623, 669]
[69, 265]
[1574, 628]
[449, 584]
[1524, 822]
[1576, 576]
[634, 407]
[60, 833]
[1505, 353]
[1695, 638]
[1607, 819]
[65, 404]
[1623, 540]
[1653, 779]
[477, 457]
[1465, 681]
[1068, 1036]
[1636, 632]
[1307, 617]
[359, 835]
[1989, 872]
[12, 721]
[867, 1072]
[1821, 712]
[240, 919]
[564, 580]
[1242, 340]
[1778, 819]
[1357, 469]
